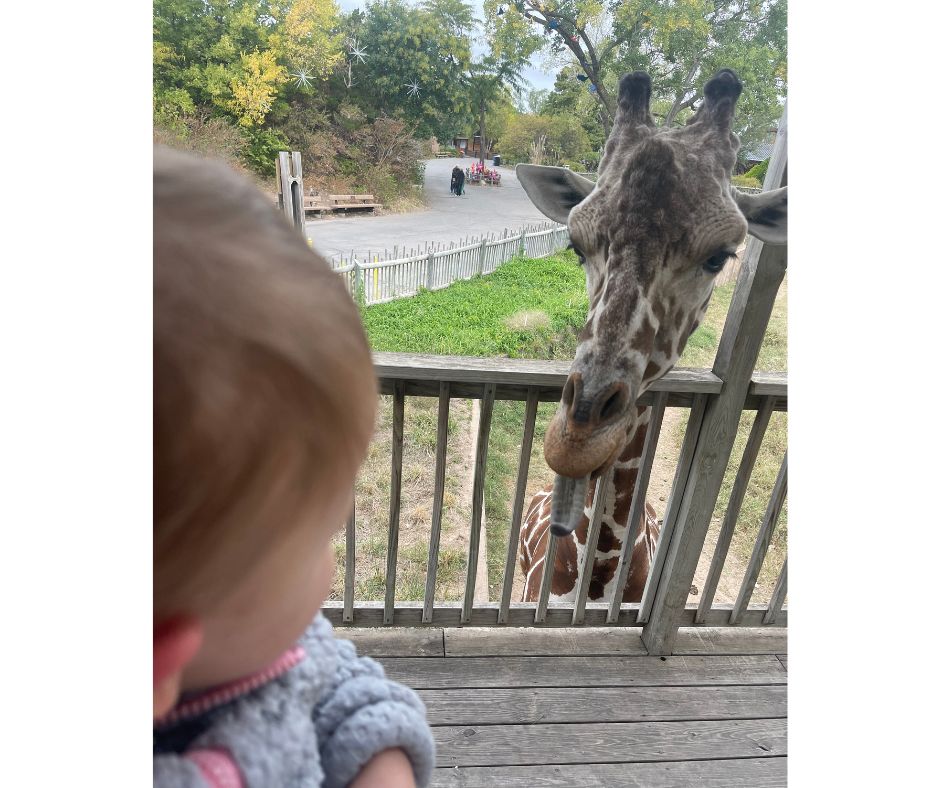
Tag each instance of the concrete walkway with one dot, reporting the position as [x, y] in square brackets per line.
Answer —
[482, 209]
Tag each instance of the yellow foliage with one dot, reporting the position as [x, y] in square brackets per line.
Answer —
[306, 38]
[255, 88]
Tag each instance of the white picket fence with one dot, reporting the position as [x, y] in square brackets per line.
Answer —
[382, 278]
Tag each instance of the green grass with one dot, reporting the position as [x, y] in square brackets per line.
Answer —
[473, 318]
[469, 318]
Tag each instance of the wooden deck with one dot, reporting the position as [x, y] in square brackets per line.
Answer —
[588, 708]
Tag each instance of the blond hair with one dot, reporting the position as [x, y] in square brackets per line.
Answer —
[264, 394]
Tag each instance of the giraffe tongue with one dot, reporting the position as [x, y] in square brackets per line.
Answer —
[568, 498]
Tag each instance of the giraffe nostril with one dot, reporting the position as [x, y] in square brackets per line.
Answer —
[568, 392]
[614, 405]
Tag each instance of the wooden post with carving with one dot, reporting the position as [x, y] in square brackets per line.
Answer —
[290, 182]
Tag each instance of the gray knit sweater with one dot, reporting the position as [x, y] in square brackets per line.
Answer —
[315, 724]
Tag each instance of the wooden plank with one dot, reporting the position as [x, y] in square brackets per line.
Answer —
[349, 581]
[391, 564]
[762, 543]
[755, 292]
[496, 745]
[626, 671]
[743, 772]
[519, 502]
[595, 641]
[768, 384]
[440, 467]
[679, 482]
[779, 594]
[395, 641]
[520, 372]
[546, 705]
[783, 660]
[637, 513]
[735, 499]
[519, 392]
[731, 640]
[476, 506]
[548, 564]
[586, 566]
[533, 641]
[521, 614]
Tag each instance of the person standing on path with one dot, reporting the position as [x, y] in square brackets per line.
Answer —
[458, 174]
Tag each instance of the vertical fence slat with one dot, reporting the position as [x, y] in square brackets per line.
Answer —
[440, 466]
[748, 458]
[638, 505]
[349, 585]
[548, 569]
[764, 535]
[476, 511]
[696, 414]
[518, 504]
[586, 567]
[398, 431]
[780, 593]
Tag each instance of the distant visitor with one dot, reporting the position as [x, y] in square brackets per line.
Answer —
[456, 181]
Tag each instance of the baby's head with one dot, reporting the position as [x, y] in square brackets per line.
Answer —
[264, 404]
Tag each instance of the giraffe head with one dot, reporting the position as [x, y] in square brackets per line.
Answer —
[652, 235]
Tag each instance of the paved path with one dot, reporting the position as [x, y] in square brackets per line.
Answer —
[482, 209]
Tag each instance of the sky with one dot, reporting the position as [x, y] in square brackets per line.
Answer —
[534, 74]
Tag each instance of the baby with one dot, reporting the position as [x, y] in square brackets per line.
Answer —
[264, 401]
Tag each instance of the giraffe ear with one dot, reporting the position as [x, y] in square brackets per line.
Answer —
[553, 190]
[766, 214]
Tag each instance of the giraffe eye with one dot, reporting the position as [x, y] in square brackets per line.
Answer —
[716, 262]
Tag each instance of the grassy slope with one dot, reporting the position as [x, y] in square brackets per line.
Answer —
[473, 318]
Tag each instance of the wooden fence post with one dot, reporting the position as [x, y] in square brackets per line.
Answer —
[522, 242]
[291, 188]
[482, 256]
[762, 272]
[359, 296]
[429, 279]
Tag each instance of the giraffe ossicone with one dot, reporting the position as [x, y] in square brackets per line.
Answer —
[652, 234]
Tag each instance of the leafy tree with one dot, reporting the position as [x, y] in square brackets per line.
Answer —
[406, 46]
[306, 37]
[680, 43]
[559, 139]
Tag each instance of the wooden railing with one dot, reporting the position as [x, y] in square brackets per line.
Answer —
[716, 399]
[534, 382]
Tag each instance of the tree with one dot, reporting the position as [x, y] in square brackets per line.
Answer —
[306, 36]
[556, 139]
[414, 64]
[680, 43]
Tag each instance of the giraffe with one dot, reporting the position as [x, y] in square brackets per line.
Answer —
[652, 234]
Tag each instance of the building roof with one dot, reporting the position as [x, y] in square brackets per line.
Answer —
[759, 152]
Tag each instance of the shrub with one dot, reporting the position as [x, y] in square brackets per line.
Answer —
[746, 181]
[758, 171]
[262, 149]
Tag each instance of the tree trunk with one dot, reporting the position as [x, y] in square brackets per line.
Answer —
[482, 132]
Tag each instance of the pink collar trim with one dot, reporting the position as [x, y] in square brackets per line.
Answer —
[217, 696]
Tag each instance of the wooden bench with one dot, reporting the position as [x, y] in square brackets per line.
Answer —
[340, 202]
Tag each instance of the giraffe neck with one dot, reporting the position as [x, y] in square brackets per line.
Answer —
[623, 484]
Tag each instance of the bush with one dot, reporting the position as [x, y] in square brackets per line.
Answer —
[262, 149]
[746, 181]
[758, 172]
[205, 135]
